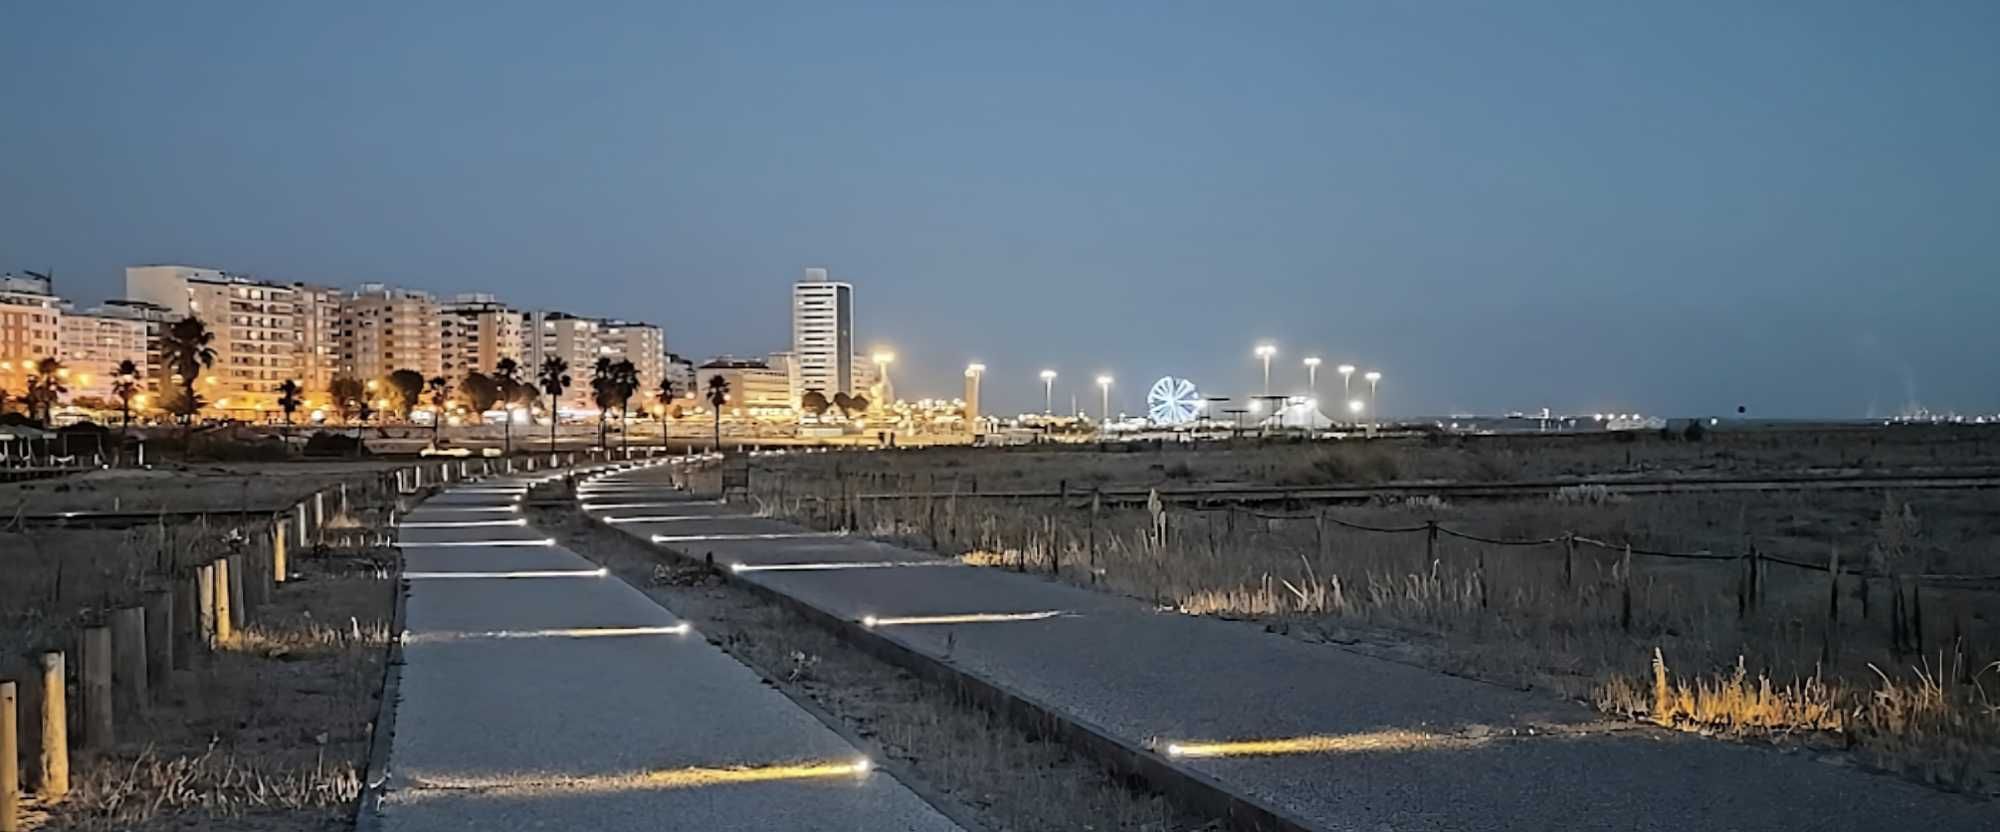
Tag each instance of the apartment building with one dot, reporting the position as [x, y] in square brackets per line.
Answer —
[93, 344]
[316, 330]
[577, 341]
[476, 331]
[756, 389]
[254, 323]
[822, 335]
[643, 344]
[30, 328]
[384, 329]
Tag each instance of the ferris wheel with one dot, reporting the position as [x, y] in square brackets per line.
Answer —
[1172, 401]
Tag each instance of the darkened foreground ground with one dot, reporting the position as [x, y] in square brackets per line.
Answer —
[1896, 661]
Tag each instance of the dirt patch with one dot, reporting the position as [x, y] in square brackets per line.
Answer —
[973, 765]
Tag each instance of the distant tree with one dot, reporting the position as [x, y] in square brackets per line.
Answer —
[858, 402]
[554, 379]
[663, 396]
[440, 395]
[625, 383]
[289, 399]
[348, 393]
[507, 376]
[185, 350]
[814, 402]
[5, 397]
[845, 403]
[603, 393]
[1695, 431]
[46, 388]
[479, 392]
[125, 387]
[718, 395]
[406, 389]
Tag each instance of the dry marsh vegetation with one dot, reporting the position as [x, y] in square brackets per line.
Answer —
[265, 732]
[1899, 670]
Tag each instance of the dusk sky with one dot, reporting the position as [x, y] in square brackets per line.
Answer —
[1674, 207]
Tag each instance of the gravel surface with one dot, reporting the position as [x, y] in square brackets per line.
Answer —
[503, 724]
[1394, 746]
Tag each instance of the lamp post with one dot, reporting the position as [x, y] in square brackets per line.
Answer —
[1374, 378]
[973, 372]
[1048, 392]
[1104, 388]
[1266, 352]
[1312, 374]
[883, 358]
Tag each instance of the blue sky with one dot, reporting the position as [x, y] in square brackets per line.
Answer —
[1673, 207]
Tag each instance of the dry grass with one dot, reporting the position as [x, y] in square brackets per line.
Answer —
[269, 733]
[983, 769]
[1531, 616]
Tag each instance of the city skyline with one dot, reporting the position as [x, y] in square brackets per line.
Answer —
[1546, 206]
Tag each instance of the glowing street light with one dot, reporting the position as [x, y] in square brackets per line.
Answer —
[1104, 387]
[1312, 373]
[1048, 392]
[1355, 407]
[1374, 378]
[1346, 373]
[1266, 352]
[884, 358]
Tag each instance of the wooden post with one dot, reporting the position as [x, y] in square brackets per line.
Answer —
[1096, 506]
[159, 641]
[319, 513]
[52, 758]
[239, 611]
[1830, 640]
[97, 725]
[204, 585]
[128, 647]
[1569, 560]
[1430, 545]
[225, 616]
[1482, 577]
[304, 534]
[188, 639]
[10, 760]
[1625, 590]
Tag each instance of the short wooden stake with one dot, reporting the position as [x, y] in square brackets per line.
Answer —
[187, 635]
[10, 760]
[159, 642]
[128, 650]
[225, 617]
[97, 723]
[1830, 642]
[278, 565]
[1625, 591]
[239, 608]
[204, 584]
[52, 757]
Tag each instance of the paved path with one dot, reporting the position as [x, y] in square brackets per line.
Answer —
[1365, 744]
[539, 693]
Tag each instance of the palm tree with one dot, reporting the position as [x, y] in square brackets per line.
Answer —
[625, 382]
[186, 352]
[554, 379]
[440, 396]
[664, 396]
[46, 388]
[508, 374]
[125, 385]
[603, 392]
[718, 395]
[289, 401]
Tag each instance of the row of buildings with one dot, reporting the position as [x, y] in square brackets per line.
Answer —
[266, 332]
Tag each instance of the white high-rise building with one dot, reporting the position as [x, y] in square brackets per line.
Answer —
[822, 336]
[478, 330]
[643, 344]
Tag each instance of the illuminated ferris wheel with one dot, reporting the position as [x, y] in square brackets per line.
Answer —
[1172, 401]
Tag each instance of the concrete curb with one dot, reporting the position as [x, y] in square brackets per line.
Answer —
[1189, 788]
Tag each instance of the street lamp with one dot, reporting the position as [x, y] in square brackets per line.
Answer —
[1346, 373]
[1266, 351]
[1374, 378]
[1355, 407]
[1104, 387]
[1312, 373]
[1048, 392]
[883, 358]
[973, 373]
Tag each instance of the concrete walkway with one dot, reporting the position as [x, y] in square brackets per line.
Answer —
[539, 693]
[1322, 737]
